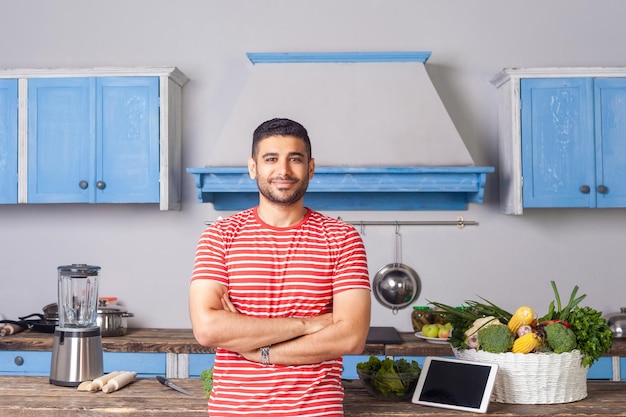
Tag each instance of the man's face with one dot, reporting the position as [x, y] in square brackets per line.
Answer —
[282, 169]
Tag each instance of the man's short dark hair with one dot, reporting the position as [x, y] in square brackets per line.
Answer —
[280, 127]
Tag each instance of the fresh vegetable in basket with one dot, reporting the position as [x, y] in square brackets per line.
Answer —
[485, 326]
[495, 339]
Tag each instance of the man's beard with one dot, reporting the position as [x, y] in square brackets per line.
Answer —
[273, 196]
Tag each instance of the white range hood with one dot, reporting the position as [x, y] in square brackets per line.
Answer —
[380, 134]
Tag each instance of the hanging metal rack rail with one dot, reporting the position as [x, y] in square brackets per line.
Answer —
[460, 222]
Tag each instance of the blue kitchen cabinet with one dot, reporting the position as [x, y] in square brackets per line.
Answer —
[610, 131]
[199, 362]
[93, 140]
[37, 363]
[572, 142]
[8, 141]
[561, 136]
[601, 369]
[146, 364]
[29, 363]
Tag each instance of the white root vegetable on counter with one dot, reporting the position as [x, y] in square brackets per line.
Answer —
[98, 383]
[119, 381]
[85, 386]
[10, 329]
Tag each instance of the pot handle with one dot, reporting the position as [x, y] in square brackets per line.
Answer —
[398, 246]
[128, 315]
[40, 316]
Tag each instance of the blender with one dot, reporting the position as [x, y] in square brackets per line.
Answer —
[77, 346]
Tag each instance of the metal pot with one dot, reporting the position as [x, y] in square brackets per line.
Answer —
[396, 285]
[112, 321]
[51, 312]
[617, 322]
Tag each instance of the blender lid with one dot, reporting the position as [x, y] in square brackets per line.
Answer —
[79, 269]
[111, 310]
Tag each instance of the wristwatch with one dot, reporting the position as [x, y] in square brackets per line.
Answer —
[265, 355]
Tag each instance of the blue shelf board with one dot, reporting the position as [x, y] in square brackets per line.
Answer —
[355, 188]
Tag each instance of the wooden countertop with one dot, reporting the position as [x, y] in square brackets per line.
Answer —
[603, 399]
[135, 340]
[33, 396]
[182, 341]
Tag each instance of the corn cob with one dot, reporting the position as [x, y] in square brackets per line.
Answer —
[523, 315]
[526, 343]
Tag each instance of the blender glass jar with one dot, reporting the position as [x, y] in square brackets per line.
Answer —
[78, 295]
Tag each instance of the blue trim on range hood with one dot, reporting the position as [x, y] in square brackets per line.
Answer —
[336, 57]
[355, 188]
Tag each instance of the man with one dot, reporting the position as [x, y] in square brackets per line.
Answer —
[280, 290]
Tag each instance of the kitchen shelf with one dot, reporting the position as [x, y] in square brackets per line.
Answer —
[355, 188]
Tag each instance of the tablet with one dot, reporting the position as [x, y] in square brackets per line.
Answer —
[455, 384]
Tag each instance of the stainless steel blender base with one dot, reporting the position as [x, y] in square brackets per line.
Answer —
[76, 356]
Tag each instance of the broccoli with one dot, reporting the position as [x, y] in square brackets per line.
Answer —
[560, 338]
[495, 339]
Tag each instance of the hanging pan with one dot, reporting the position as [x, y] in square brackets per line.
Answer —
[396, 285]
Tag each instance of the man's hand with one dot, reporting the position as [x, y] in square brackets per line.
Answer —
[227, 304]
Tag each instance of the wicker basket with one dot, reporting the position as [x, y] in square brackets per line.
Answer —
[534, 378]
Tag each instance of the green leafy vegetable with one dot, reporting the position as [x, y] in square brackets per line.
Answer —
[387, 380]
[562, 313]
[405, 367]
[207, 381]
[391, 377]
[372, 365]
[593, 335]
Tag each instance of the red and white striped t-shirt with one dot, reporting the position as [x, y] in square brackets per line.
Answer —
[279, 272]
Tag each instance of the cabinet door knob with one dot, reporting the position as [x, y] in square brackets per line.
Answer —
[83, 184]
[101, 185]
[19, 361]
[585, 189]
[603, 189]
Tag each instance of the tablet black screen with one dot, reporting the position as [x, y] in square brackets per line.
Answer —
[455, 384]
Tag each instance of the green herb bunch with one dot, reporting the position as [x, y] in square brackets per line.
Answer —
[206, 377]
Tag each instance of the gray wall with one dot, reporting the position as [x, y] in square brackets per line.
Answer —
[146, 255]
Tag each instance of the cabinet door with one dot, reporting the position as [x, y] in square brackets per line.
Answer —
[8, 141]
[127, 140]
[146, 364]
[31, 363]
[610, 111]
[60, 140]
[558, 164]
[199, 362]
